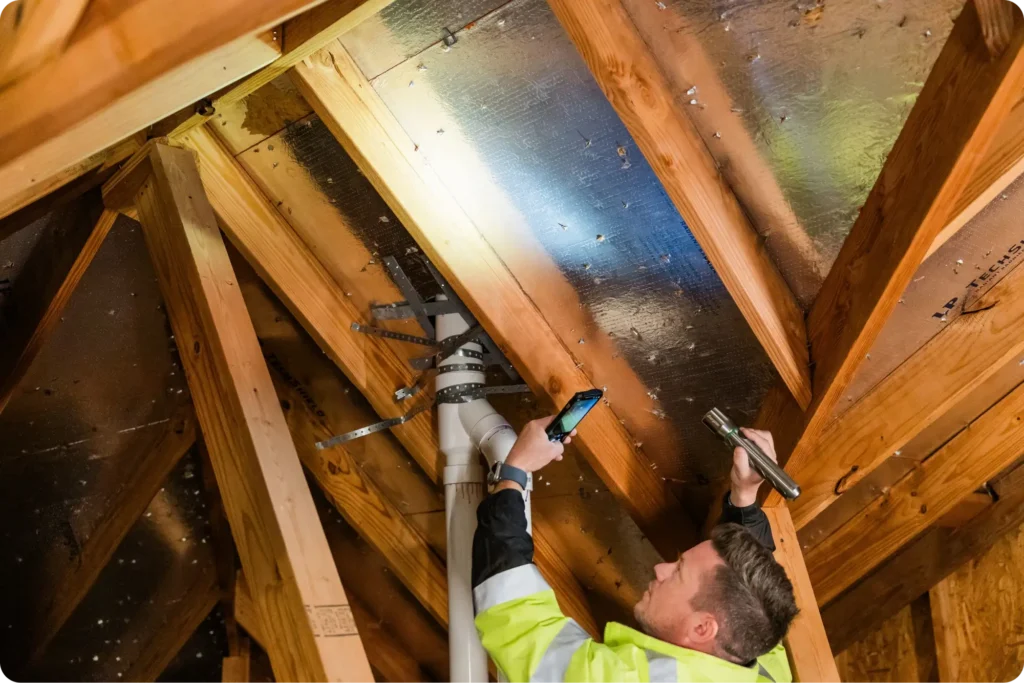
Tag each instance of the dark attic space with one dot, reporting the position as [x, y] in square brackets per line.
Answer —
[285, 285]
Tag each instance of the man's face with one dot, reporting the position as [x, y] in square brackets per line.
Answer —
[666, 609]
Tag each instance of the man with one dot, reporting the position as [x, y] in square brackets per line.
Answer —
[718, 613]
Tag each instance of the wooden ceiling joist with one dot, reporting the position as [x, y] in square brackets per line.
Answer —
[299, 597]
[333, 84]
[155, 453]
[916, 568]
[631, 80]
[987, 446]
[125, 69]
[288, 267]
[967, 97]
[51, 276]
[301, 37]
[976, 345]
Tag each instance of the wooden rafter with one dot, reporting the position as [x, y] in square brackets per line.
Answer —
[996, 17]
[975, 346]
[987, 446]
[365, 507]
[1003, 163]
[155, 453]
[300, 599]
[125, 69]
[916, 568]
[810, 656]
[33, 31]
[117, 51]
[270, 245]
[236, 668]
[52, 274]
[24, 200]
[966, 98]
[386, 655]
[179, 607]
[629, 76]
[333, 84]
[302, 36]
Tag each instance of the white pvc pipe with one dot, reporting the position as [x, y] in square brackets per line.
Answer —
[464, 431]
[463, 492]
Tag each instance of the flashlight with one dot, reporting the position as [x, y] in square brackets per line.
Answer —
[720, 424]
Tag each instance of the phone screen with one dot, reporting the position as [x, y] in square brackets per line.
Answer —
[573, 413]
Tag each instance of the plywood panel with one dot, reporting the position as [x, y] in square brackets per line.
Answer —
[978, 615]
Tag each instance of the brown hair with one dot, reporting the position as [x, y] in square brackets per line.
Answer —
[750, 595]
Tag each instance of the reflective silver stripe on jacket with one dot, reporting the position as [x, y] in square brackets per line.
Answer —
[509, 585]
[764, 672]
[662, 669]
[555, 661]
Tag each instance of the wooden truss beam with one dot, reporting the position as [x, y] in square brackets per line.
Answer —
[810, 657]
[284, 552]
[125, 69]
[364, 506]
[288, 267]
[155, 452]
[987, 446]
[386, 655]
[1003, 163]
[975, 346]
[354, 113]
[28, 199]
[631, 80]
[967, 97]
[50, 277]
[33, 31]
[915, 569]
[181, 604]
[236, 668]
[302, 36]
[312, 413]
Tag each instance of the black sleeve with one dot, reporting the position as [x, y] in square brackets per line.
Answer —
[751, 518]
[501, 541]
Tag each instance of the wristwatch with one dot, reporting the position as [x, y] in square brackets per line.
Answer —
[503, 472]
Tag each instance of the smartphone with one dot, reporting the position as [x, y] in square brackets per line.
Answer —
[573, 413]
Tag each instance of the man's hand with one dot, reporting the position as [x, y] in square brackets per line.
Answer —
[532, 450]
[745, 479]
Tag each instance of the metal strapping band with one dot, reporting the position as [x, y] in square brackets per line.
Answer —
[460, 367]
[464, 393]
[457, 393]
[372, 429]
[427, 362]
[388, 334]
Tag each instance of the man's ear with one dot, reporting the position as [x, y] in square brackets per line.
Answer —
[704, 627]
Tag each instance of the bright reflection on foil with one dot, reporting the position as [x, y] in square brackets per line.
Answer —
[516, 128]
[823, 89]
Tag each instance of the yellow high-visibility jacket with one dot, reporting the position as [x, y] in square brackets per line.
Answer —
[525, 632]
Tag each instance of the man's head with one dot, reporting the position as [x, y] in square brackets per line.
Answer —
[726, 597]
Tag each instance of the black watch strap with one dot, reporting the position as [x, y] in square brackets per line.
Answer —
[503, 472]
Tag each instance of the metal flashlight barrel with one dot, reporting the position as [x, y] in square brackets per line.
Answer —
[720, 424]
